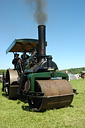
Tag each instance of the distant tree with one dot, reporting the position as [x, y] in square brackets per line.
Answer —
[74, 70]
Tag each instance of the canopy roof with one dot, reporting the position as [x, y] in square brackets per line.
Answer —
[19, 45]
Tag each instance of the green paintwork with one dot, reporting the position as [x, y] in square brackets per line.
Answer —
[34, 76]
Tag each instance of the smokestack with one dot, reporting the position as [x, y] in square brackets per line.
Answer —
[42, 41]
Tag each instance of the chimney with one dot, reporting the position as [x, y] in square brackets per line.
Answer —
[42, 42]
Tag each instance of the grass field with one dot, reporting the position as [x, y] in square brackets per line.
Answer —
[16, 114]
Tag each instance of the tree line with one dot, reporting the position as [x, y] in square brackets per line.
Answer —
[2, 70]
[75, 70]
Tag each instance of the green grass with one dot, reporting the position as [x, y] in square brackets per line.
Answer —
[16, 114]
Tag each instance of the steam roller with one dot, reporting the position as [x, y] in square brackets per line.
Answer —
[36, 76]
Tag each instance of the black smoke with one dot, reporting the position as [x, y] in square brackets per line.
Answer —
[39, 9]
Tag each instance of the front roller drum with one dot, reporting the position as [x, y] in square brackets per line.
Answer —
[57, 94]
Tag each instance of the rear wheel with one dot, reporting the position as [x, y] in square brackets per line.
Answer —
[4, 81]
[11, 84]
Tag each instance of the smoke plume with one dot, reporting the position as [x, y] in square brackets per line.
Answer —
[39, 10]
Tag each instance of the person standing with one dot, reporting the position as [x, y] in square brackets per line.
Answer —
[15, 60]
[24, 56]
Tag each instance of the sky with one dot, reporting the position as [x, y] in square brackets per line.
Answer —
[65, 30]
